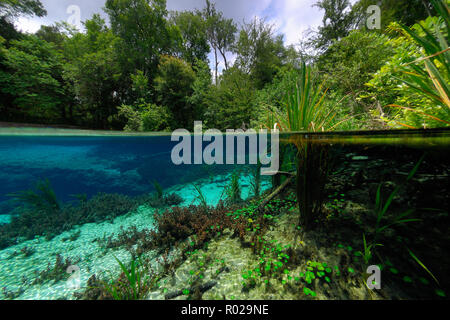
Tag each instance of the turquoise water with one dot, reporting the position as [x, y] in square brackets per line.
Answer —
[104, 183]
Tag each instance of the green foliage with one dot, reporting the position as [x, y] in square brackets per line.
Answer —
[149, 71]
[381, 209]
[230, 104]
[201, 89]
[134, 283]
[30, 80]
[15, 8]
[200, 196]
[173, 87]
[422, 265]
[349, 63]
[434, 82]
[259, 52]
[194, 44]
[233, 189]
[41, 198]
[144, 32]
[255, 182]
[407, 12]
[305, 106]
[220, 33]
[338, 20]
[94, 70]
[158, 188]
[306, 111]
[146, 117]
[414, 82]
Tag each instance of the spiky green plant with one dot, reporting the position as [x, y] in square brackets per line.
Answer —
[306, 111]
[305, 107]
[367, 254]
[233, 190]
[381, 208]
[200, 196]
[433, 81]
[134, 284]
[158, 189]
[255, 181]
[422, 265]
[41, 198]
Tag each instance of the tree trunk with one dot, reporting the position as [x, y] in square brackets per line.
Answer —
[217, 65]
[312, 172]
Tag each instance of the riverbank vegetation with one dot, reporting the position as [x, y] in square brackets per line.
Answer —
[200, 65]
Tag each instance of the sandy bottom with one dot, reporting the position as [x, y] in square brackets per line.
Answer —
[18, 271]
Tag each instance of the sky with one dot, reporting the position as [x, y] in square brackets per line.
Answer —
[292, 18]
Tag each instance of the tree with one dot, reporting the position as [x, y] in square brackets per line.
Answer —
[52, 34]
[11, 9]
[221, 34]
[173, 87]
[14, 8]
[350, 63]
[194, 45]
[407, 12]
[201, 88]
[230, 103]
[94, 70]
[337, 22]
[31, 82]
[144, 31]
[259, 52]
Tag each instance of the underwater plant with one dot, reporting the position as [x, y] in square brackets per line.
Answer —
[173, 199]
[56, 272]
[306, 111]
[32, 220]
[134, 282]
[200, 196]
[255, 182]
[41, 198]
[159, 189]
[382, 208]
[233, 189]
[12, 294]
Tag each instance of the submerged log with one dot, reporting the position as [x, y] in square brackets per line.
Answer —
[276, 192]
[200, 288]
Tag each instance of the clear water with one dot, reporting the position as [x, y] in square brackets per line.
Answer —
[89, 163]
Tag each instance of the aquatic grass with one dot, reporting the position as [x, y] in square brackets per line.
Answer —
[42, 218]
[381, 208]
[422, 265]
[134, 282]
[200, 196]
[41, 198]
[255, 181]
[158, 189]
[306, 111]
[233, 189]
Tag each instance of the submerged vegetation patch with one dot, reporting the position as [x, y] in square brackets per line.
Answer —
[40, 214]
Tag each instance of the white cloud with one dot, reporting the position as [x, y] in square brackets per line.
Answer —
[28, 25]
[294, 17]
